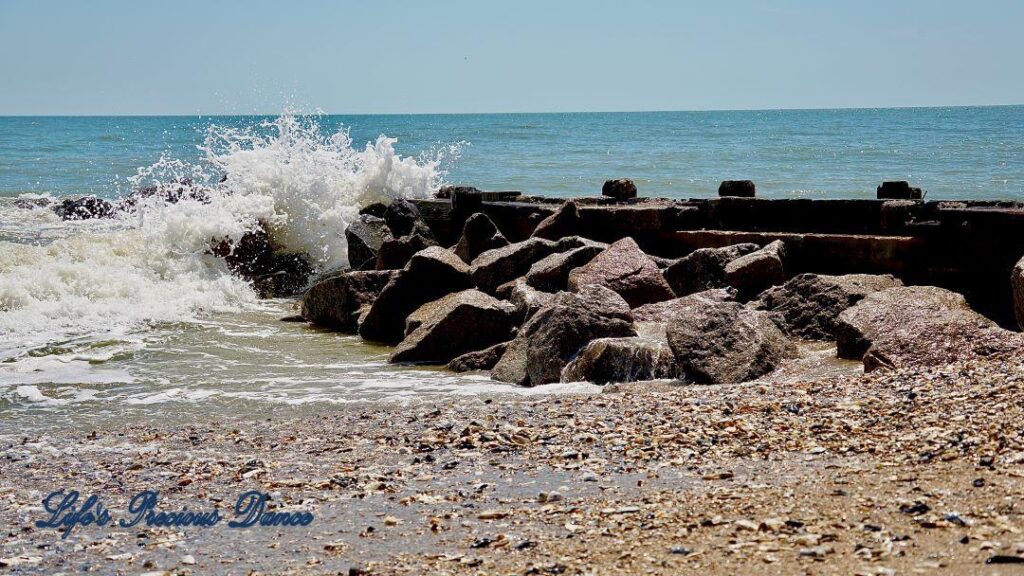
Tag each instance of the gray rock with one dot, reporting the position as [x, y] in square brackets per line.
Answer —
[753, 273]
[335, 301]
[704, 268]
[597, 298]
[394, 253]
[808, 305]
[495, 267]
[430, 274]
[478, 236]
[563, 222]
[527, 300]
[607, 360]
[719, 342]
[453, 325]
[551, 273]
[664, 311]
[552, 337]
[919, 326]
[365, 237]
[626, 269]
[480, 360]
[403, 218]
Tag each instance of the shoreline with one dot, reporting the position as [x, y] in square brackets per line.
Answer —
[867, 474]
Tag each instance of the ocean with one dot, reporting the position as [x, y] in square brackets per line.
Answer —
[113, 318]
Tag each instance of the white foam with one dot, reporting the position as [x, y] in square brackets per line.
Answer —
[68, 288]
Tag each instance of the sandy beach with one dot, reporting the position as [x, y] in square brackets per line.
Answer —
[905, 472]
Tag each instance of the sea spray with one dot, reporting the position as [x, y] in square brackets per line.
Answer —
[91, 283]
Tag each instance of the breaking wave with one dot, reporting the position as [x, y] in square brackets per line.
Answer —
[81, 289]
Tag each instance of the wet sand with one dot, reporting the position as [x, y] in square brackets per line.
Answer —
[895, 473]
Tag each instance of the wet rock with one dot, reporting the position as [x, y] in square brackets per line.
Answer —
[808, 305]
[737, 188]
[753, 273]
[621, 189]
[377, 209]
[430, 274]
[168, 193]
[31, 203]
[403, 218]
[719, 342]
[255, 258]
[478, 236]
[608, 360]
[552, 337]
[919, 326]
[497, 266]
[551, 273]
[365, 237]
[526, 299]
[597, 298]
[563, 222]
[453, 325]
[335, 301]
[288, 275]
[85, 208]
[394, 253]
[627, 270]
[1017, 283]
[704, 268]
[480, 360]
[663, 311]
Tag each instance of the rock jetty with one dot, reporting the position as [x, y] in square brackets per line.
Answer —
[621, 289]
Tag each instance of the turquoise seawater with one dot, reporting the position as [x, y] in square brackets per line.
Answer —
[133, 317]
[964, 152]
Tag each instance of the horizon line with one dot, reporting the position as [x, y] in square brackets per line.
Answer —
[509, 113]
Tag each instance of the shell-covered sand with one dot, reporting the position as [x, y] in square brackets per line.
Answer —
[886, 473]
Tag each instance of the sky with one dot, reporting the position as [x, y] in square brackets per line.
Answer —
[439, 56]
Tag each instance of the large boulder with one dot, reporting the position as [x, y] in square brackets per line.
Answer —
[394, 253]
[551, 273]
[635, 359]
[526, 299]
[453, 325]
[335, 301]
[551, 338]
[563, 222]
[598, 299]
[620, 189]
[403, 218]
[626, 269]
[495, 268]
[753, 273]
[808, 305]
[719, 342]
[85, 208]
[704, 268]
[1017, 282]
[257, 259]
[479, 235]
[919, 326]
[662, 312]
[364, 237]
[430, 274]
[479, 360]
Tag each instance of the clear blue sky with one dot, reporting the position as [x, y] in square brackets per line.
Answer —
[379, 56]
